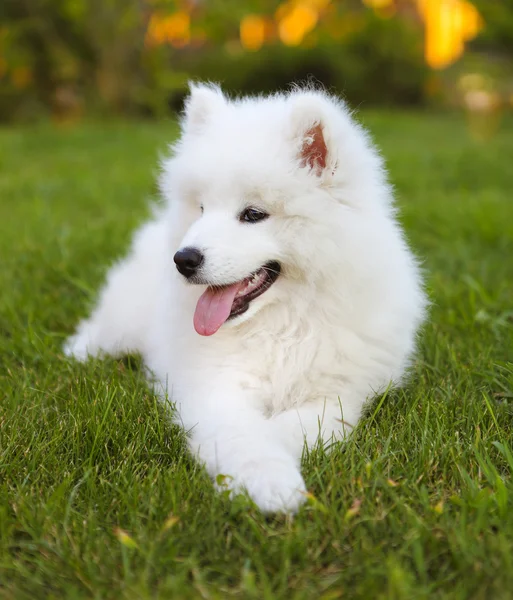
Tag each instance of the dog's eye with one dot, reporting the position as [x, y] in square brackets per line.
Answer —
[252, 215]
[201, 208]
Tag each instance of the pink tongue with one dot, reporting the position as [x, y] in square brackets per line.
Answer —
[214, 308]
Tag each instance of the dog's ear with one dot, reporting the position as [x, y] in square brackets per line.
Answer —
[203, 101]
[310, 132]
[314, 152]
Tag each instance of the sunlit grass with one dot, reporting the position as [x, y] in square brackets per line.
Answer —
[98, 497]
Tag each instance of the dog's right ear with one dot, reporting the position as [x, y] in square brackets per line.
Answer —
[203, 101]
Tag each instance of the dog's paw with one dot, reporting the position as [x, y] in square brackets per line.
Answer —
[77, 347]
[274, 485]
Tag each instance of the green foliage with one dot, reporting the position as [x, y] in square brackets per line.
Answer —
[70, 56]
[380, 62]
[98, 496]
[498, 31]
[76, 51]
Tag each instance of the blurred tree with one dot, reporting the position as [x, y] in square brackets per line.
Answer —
[133, 56]
[71, 48]
[47, 39]
[498, 16]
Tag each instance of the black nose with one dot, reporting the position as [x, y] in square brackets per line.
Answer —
[188, 261]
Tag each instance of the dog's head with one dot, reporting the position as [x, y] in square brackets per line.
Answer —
[266, 188]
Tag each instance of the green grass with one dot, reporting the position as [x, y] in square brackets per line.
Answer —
[418, 504]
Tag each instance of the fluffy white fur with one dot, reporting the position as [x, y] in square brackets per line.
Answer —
[337, 326]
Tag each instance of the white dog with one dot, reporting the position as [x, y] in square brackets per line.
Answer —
[273, 293]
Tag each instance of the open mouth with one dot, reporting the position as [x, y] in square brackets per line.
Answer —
[220, 303]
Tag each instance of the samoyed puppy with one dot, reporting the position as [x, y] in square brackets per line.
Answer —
[272, 294]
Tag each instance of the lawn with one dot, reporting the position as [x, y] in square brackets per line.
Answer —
[98, 496]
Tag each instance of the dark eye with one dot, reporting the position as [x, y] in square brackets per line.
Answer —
[201, 208]
[252, 215]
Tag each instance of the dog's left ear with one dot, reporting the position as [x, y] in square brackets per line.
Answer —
[314, 152]
[310, 132]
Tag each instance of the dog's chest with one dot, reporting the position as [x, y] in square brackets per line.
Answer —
[289, 371]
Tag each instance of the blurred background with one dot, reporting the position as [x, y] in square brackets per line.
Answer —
[70, 58]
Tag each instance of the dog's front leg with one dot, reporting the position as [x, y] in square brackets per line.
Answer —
[320, 421]
[240, 449]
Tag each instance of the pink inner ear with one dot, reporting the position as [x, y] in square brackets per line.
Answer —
[314, 152]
